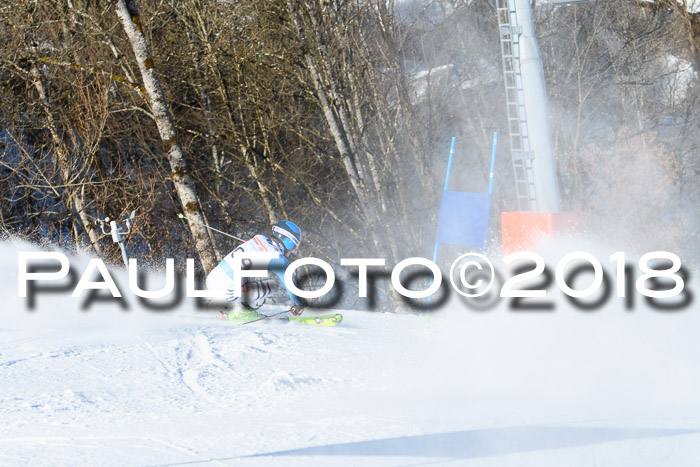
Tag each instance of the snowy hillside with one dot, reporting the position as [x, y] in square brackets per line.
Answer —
[107, 387]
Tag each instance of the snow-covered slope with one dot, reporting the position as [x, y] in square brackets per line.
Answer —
[107, 387]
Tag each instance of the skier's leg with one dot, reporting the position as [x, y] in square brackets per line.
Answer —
[221, 285]
[226, 303]
[254, 295]
[242, 310]
[257, 294]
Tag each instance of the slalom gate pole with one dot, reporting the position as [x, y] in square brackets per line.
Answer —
[493, 168]
[437, 244]
[493, 161]
[447, 182]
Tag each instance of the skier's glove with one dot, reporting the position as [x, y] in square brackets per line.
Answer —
[296, 310]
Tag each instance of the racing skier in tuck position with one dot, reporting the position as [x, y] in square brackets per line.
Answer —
[284, 239]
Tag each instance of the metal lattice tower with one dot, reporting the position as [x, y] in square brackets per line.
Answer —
[521, 153]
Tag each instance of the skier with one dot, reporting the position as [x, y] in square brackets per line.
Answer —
[283, 241]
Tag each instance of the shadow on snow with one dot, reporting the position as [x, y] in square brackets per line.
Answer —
[480, 443]
[477, 443]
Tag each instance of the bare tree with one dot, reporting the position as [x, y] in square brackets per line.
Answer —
[128, 15]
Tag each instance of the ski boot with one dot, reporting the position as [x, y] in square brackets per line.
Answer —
[241, 314]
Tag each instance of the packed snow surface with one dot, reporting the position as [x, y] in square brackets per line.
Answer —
[462, 387]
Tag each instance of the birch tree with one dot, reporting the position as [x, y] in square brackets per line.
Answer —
[128, 15]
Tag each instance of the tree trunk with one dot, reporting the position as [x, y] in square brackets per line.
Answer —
[128, 15]
[75, 199]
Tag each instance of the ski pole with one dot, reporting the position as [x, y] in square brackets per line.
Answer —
[263, 317]
[266, 317]
[182, 216]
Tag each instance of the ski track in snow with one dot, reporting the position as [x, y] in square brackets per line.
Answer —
[461, 388]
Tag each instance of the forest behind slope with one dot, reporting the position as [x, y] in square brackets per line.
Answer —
[334, 114]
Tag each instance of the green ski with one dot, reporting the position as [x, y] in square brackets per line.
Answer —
[323, 320]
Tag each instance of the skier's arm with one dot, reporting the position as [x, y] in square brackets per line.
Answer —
[279, 266]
